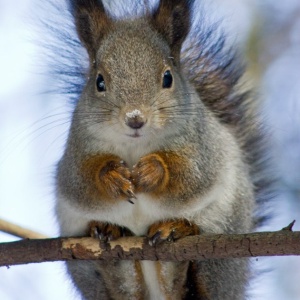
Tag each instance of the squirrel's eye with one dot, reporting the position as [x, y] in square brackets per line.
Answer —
[167, 79]
[100, 84]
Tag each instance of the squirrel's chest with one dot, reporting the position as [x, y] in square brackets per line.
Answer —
[130, 151]
[145, 209]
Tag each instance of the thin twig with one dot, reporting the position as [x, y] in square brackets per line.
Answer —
[19, 231]
[290, 226]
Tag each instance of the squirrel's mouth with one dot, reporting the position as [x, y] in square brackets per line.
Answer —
[136, 134]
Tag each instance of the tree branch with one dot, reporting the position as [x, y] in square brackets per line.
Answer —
[284, 242]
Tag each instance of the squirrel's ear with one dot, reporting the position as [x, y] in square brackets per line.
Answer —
[172, 20]
[92, 23]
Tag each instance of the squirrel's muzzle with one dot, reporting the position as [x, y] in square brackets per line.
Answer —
[135, 119]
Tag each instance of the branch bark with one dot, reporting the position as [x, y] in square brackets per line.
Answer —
[284, 242]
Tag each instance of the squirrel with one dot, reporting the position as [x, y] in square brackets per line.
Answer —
[165, 142]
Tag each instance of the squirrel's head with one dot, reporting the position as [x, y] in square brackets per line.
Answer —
[135, 87]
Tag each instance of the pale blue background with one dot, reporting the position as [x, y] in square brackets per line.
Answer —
[33, 129]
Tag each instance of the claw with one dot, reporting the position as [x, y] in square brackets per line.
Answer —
[130, 201]
[171, 236]
[96, 232]
[154, 238]
[101, 236]
[109, 237]
[125, 232]
[130, 194]
[122, 231]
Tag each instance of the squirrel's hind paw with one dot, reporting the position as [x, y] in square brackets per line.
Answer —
[107, 232]
[171, 230]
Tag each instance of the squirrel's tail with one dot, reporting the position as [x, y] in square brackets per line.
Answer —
[219, 75]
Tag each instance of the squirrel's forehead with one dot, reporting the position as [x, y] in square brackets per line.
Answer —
[132, 47]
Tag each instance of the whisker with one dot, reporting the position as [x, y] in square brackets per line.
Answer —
[105, 101]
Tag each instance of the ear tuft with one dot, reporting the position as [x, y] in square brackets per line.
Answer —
[172, 20]
[92, 23]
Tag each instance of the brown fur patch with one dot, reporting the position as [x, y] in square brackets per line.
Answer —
[196, 286]
[150, 174]
[109, 175]
[159, 173]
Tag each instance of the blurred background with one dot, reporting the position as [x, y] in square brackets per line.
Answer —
[34, 126]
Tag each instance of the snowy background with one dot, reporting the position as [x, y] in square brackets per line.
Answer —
[33, 128]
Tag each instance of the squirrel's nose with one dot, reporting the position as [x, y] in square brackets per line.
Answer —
[135, 119]
[135, 123]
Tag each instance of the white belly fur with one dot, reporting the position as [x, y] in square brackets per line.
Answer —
[151, 280]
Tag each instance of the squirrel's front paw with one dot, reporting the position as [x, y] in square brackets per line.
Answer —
[114, 180]
[150, 174]
[107, 232]
[171, 230]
